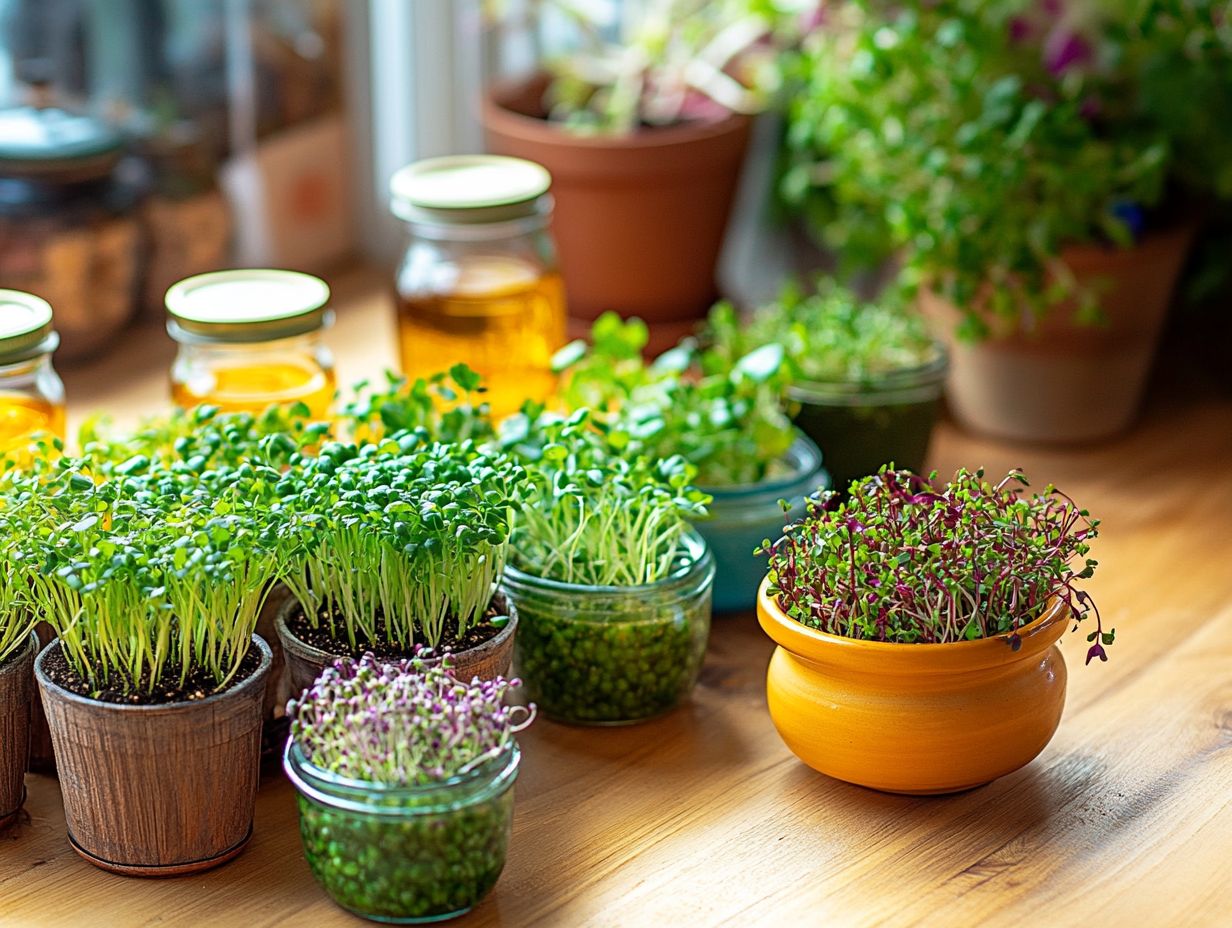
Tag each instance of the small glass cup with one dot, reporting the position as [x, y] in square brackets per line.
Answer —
[31, 392]
[613, 655]
[406, 855]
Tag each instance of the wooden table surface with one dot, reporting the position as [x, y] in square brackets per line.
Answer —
[704, 818]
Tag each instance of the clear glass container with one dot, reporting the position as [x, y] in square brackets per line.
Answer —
[478, 283]
[611, 655]
[31, 392]
[250, 339]
[406, 855]
[862, 425]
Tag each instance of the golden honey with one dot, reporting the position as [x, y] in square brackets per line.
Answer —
[255, 387]
[502, 316]
[23, 418]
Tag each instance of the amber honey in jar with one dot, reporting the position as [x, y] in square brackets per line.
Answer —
[479, 282]
[250, 339]
[31, 393]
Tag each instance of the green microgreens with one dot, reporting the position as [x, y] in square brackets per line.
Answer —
[448, 406]
[722, 415]
[597, 515]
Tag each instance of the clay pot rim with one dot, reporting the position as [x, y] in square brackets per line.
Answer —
[256, 678]
[543, 132]
[890, 657]
[12, 663]
[316, 655]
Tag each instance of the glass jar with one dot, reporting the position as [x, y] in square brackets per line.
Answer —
[742, 517]
[612, 655]
[479, 282]
[70, 228]
[863, 425]
[250, 339]
[31, 392]
[405, 854]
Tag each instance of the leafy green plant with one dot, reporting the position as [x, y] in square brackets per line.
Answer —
[16, 616]
[722, 414]
[905, 561]
[830, 336]
[665, 62]
[397, 542]
[972, 142]
[147, 573]
[448, 407]
[596, 514]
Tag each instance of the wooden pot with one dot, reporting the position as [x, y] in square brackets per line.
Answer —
[490, 659]
[1062, 381]
[16, 697]
[914, 718]
[158, 790]
[42, 755]
[639, 218]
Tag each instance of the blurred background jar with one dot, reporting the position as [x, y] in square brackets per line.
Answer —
[479, 283]
[31, 393]
[69, 226]
[249, 339]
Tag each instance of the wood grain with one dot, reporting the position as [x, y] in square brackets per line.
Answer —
[16, 692]
[703, 818]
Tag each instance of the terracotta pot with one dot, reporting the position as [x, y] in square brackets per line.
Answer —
[914, 718]
[42, 755]
[158, 790]
[16, 697]
[305, 662]
[639, 218]
[1064, 381]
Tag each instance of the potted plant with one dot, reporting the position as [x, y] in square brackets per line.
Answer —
[643, 128]
[611, 585]
[917, 628]
[392, 545]
[863, 377]
[405, 777]
[18, 646]
[722, 414]
[152, 579]
[992, 149]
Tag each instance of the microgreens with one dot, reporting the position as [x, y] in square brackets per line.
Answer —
[395, 540]
[828, 336]
[16, 617]
[448, 406]
[597, 515]
[904, 561]
[409, 723]
[727, 422]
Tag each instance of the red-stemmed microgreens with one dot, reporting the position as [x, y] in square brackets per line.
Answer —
[904, 560]
[398, 540]
[597, 514]
[406, 723]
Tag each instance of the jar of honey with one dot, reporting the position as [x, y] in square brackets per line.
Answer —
[250, 339]
[31, 393]
[479, 282]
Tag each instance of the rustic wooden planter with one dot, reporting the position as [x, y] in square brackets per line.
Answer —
[305, 662]
[16, 692]
[42, 755]
[158, 790]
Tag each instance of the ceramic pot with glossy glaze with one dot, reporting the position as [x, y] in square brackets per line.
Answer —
[914, 718]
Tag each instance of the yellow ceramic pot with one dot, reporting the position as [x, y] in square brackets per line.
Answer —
[914, 718]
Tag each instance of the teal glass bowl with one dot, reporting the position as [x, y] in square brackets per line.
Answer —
[742, 517]
[405, 855]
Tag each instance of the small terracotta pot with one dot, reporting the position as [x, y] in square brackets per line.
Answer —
[639, 218]
[16, 697]
[305, 662]
[158, 790]
[914, 718]
[1064, 381]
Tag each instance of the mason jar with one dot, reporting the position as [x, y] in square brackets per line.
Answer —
[742, 517]
[862, 425]
[478, 283]
[612, 655]
[405, 854]
[31, 392]
[250, 339]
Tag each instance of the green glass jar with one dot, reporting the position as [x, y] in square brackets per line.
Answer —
[406, 855]
[612, 655]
